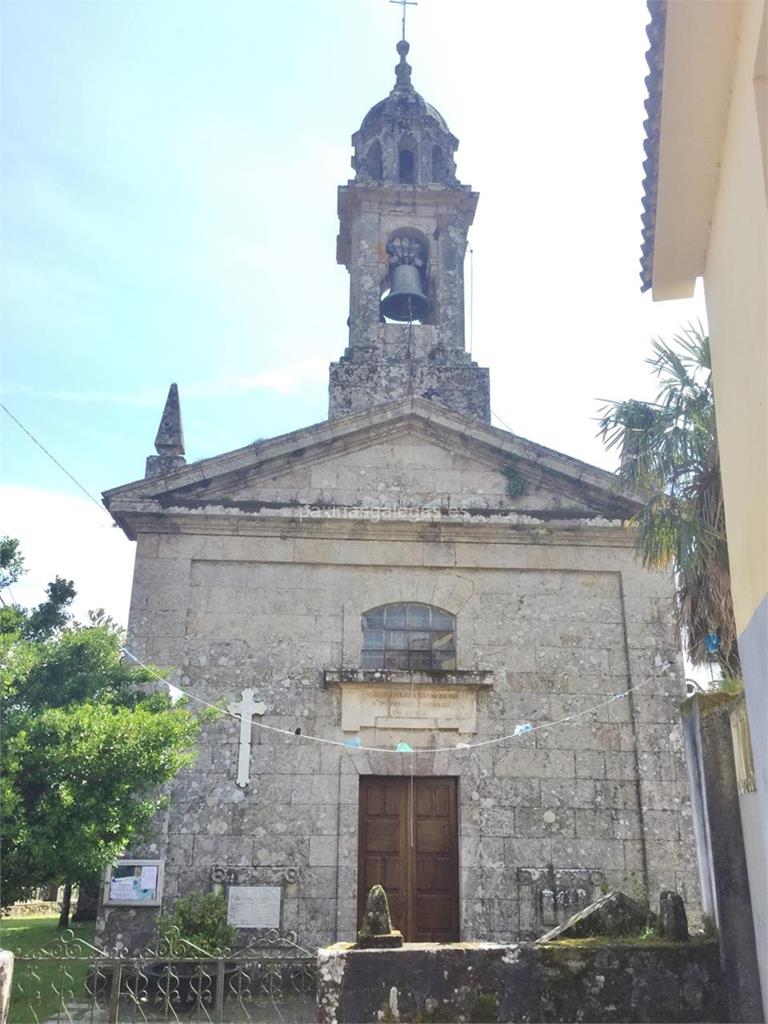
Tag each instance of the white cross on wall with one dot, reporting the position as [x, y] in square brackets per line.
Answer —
[245, 709]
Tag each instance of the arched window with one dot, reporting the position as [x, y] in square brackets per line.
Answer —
[407, 637]
[406, 167]
[374, 162]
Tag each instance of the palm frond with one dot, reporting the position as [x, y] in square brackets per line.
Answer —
[668, 452]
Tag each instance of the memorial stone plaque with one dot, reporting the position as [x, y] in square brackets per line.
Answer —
[397, 707]
[254, 906]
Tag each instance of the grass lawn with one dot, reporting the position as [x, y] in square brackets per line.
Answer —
[35, 986]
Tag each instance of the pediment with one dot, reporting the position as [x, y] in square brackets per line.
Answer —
[409, 454]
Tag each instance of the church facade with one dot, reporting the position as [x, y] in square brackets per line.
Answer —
[444, 669]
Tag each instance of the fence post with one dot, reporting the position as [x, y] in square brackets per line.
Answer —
[6, 977]
[218, 1006]
[114, 993]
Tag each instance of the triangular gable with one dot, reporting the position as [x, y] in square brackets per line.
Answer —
[412, 453]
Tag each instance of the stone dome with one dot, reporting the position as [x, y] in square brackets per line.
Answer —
[393, 106]
[403, 139]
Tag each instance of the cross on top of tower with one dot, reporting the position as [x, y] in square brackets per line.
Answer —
[404, 4]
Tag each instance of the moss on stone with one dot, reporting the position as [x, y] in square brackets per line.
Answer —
[438, 1015]
[517, 485]
[625, 940]
[707, 703]
[485, 1009]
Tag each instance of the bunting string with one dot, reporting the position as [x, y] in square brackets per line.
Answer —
[355, 745]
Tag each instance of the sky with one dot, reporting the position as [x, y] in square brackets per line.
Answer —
[169, 175]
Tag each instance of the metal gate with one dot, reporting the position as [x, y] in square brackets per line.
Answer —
[272, 979]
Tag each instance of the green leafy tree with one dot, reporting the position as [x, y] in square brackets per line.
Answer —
[36, 623]
[668, 452]
[86, 745]
[11, 562]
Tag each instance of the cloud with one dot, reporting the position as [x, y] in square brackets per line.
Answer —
[283, 380]
[147, 398]
[63, 535]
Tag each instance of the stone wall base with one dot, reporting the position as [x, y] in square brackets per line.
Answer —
[522, 982]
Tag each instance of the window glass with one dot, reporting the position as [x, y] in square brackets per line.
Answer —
[373, 640]
[442, 640]
[394, 660]
[406, 637]
[394, 615]
[443, 659]
[375, 618]
[418, 615]
[397, 639]
[419, 640]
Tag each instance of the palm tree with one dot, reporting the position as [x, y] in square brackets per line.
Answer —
[668, 453]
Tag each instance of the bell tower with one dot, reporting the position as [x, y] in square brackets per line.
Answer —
[403, 223]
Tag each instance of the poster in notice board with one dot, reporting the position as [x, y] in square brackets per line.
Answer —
[134, 881]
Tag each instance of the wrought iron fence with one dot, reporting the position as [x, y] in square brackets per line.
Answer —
[73, 982]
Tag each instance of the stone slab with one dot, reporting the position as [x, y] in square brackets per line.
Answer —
[613, 914]
[254, 906]
[450, 708]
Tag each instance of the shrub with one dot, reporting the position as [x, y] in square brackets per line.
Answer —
[201, 920]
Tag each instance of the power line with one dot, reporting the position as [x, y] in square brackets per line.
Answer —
[53, 459]
[501, 421]
[471, 295]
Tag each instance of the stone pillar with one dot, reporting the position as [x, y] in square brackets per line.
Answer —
[6, 977]
[707, 718]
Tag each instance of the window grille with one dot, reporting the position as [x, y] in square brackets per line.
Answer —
[410, 637]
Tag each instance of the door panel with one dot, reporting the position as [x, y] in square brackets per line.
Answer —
[383, 834]
[409, 844]
[433, 836]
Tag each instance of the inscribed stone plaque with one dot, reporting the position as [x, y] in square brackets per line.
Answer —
[254, 906]
[398, 707]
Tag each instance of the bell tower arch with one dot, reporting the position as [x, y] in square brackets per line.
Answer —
[403, 224]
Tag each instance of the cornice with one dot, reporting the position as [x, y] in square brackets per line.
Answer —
[148, 518]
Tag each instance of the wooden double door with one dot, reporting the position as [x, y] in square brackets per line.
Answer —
[409, 844]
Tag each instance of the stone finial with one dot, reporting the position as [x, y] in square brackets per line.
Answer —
[377, 923]
[170, 434]
[673, 921]
[169, 442]
[403, 68]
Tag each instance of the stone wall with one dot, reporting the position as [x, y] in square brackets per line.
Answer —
[369, 480]
[527, 983]
[395, 362]
[561, 619]
[706, 722]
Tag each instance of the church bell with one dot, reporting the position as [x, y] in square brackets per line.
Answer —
[406, 301]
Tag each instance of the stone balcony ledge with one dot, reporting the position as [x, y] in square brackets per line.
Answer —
[476, 679]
